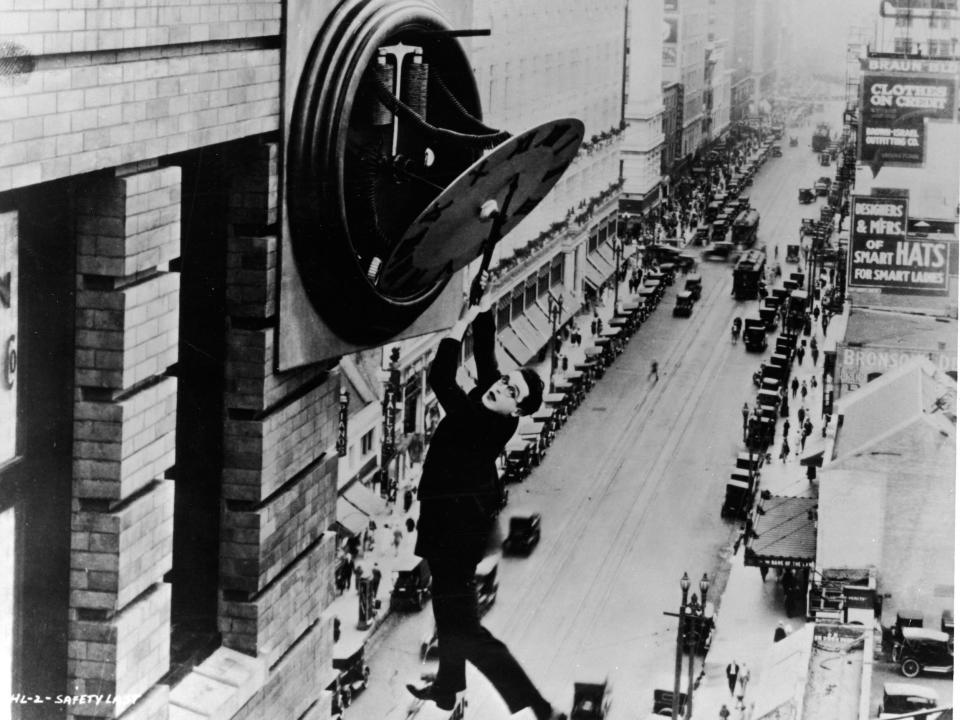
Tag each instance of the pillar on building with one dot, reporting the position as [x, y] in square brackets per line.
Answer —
[124, 421]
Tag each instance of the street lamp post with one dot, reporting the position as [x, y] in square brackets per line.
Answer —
[697, 627]
[678, 667]
[554, 309]
[617, 256]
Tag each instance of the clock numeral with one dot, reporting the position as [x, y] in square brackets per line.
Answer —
[553, 172]
[432, 215]
[556, 133]
[522, 145]
[526, 206]
[478, 172]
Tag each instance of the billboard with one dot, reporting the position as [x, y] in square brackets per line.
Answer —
[881, 254]
[895, 98]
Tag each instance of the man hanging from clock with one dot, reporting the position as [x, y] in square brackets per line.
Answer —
[459, 503]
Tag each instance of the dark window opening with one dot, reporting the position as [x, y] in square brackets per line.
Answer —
[556, 271]
[517, 304]
[531, 291]
[503, 316]
[200, 407]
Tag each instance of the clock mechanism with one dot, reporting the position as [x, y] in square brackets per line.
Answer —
[388, 164]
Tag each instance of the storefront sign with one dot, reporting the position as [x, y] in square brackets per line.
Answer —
[881, 255]
[894, 106]
[859, 597]
[858, 364]
[9, 358]
[670, 34]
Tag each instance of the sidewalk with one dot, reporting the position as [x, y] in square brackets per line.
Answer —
[750, 608]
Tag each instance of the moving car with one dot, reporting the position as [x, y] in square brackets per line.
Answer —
[900, 698]
[411, 588]
[591, 700]
[684, 306]
[920, 650]
[523, 535]
[755, 334]
[822, 185]
[805, 196]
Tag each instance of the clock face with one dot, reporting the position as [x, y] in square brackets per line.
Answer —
[386, 115]
[452, 230]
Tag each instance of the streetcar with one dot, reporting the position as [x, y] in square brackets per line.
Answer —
[748, 273]
[745, 228]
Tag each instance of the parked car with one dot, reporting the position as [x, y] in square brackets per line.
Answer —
[920, 650]
[900, 698]
[805, 196]
[523, 534]
[591, 700]
[822, 185]
[411, 587]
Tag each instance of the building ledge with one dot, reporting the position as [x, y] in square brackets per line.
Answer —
[218, 687]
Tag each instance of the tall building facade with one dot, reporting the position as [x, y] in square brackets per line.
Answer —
[742, 86]
[928, 28]
[166, 493]
[720, 32]
[643, 107]
[691, 64]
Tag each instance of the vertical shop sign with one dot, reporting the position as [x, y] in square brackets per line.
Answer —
[8, 335]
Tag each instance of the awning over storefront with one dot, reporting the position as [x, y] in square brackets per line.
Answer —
[363, 499]
[785, 535]
[530, 336]
[813, 455]
[349, 519]
[778, 687]
[514, 346]
[538, 317]
[598, 270]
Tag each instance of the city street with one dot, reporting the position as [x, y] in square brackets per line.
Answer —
[630, 494]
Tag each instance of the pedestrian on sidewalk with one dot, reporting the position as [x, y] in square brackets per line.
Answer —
[801, 413]
[786, 428]
[743, 679]
[780, 633]
[459, 504]
[800, 353]
[784, 450]
[745, 411]
[814, 351]
[397, 539]
[803, 390]
[733, 670]
[826, 423]
[724, 710]
[375, 576]
[795, 385]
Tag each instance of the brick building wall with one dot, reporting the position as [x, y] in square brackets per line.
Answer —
[111, 101]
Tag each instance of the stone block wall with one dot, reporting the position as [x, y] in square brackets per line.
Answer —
[279, 477]
[124, 428]
[97, 84]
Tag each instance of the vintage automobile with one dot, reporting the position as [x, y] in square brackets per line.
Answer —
[793, 254]
[805, 196]
[794, 141]
[694, 285]
[719, 251]
[591, 700]
[411, 588]
[923, 650]
[738, 500]
[822, 185]
[352, 672]
[901, 698]
[663, 702]
[523, 534]
[825, 159]
[776, 151]
[486, 583]
[755, 334]
[684, 305]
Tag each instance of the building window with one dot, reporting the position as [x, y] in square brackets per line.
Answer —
[556, 270]
[612, 225]
[543, 280]
[902, 45]
[592, 240]
[531, 291]
[517, 303]
[366, 443]
[503, 314]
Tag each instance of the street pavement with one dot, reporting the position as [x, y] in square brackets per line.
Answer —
[630, 492]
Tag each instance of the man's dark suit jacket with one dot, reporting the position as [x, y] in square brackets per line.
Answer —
[459, 496]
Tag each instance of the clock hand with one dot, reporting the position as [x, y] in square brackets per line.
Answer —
[499, 216]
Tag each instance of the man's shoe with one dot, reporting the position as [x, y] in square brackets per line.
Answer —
[444, 701]
[557, 715]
